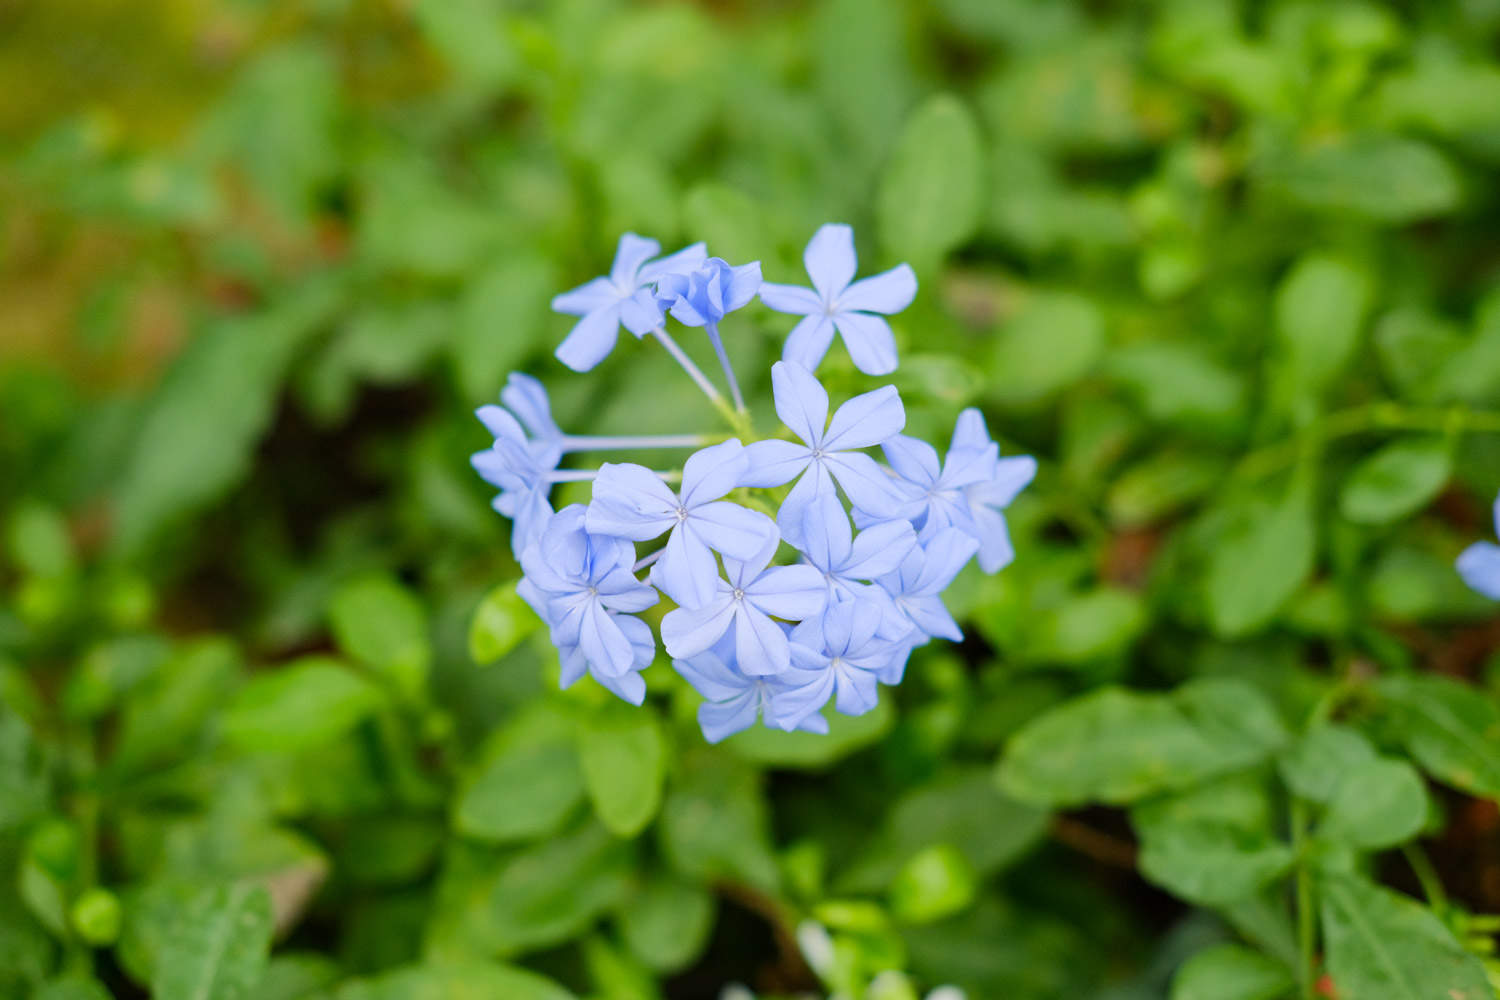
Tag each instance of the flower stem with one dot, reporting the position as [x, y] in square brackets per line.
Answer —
[712, 329]
[573, 443]
[646, 561]
[738, 419]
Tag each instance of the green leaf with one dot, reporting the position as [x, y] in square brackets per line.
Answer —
[846, 734]
[933, 883]
[72, 988]
[1180, 384]
[1313, 766]
[467, 979]
[1117, 746]
[1260, 561]
[666, 922]
[1089, 626]
[1451, 729]
[1055, 340]
[1231, 972]
[714, 822]
[165, 718]
[517, 901]
[525, 783]
[378, 623]
[1161, 484]
[1382, 944]
[502, 319]
[623, 755]
[1211, 865]
[24, 784]
[1378, 803]
[1396, 481]
[1320, 307]
[471, 37]
[37, 540]
[929, 200]
[304, 704]
[297, 976]
[217, 946]
[964, 810]
[1382, 178]
[501, 622]
[202, 424]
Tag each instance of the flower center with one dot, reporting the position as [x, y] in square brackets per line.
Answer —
[682, 513]
[739, 595]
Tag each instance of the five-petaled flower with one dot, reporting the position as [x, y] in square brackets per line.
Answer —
[834, 304]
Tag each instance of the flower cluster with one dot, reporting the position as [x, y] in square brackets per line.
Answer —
[800, 570]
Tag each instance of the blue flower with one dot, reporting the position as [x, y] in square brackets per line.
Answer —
[826, 454]
[605, 303]
[709, 292]
[734, 700]
[521, 469]
[1479, 564]
[988, 498]
[583, 587]
[747, 601]
[843, 648]
[917, 585]
[630, 685]
[527, 399]
[632, 502]
[846, 562]
[835, 304]
[934, 490]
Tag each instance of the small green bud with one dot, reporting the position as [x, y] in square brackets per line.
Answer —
[96, 917]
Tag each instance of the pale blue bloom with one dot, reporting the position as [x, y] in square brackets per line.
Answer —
[934, 489]
[844, 649]
[828, 450]
[583, 587]
[521, 468]
[734, 700]
[989, 498]
[706, 294]
[527, 399]
[1479, 564]
[749, 601]
[834, 304]
[605, 303]
[632, 502]
[847, 562]
[630, 685]
[916, 587]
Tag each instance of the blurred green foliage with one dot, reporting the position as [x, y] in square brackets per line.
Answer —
[273, 722]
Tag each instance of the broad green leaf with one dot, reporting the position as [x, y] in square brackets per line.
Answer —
[502, 318]
[1055, 340]
[304, 704]
[964, 810]
[1117, 746]
[1396, 481]
[110, 670]
[1180, 384]
[1231, 972]
[1414, 346]
[1262, 558]
[217, 946]
[471, 37]
[1383, 945]
[1448, 98]
[1161, 484]
[297, 976]
[1313, 766]
[666, 922]
[1320, 307]
[1451, 729]
[166, 717]
[1211, 865]
[929, 200]
[933, 883]
[24, 782]
[467, 979]
[1088, 626]
[623, 756]
[1381, 178]
[511, 902]
[72, 988]
[1377, 803]
[526, 782]
[846, 734]
[500, 623]
[714, 823]
[380, 624]
[217, 399]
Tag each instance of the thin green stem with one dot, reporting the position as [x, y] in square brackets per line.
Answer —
[1432, 884]
[1306, 972]
[1386, 416]
[737, 418]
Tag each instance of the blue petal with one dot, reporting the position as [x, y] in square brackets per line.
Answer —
[632, 502]
[801, 401]
[687, 571]
[815, 482]
[722, 720]
[586, 298]
[632, 252]
[830, 259]
[869, 340]
[687, 259]
[790, 592]
[738, 532]
[879, 550]
[711, 677]
[826, 536]
[1479, 565]
[867, 487]
[808, 343]
[712, 472]
[791, 299]
[888, 292]
[774, 463]
[591, 340]
[690, 632]
[869, 419]
[759, 643]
